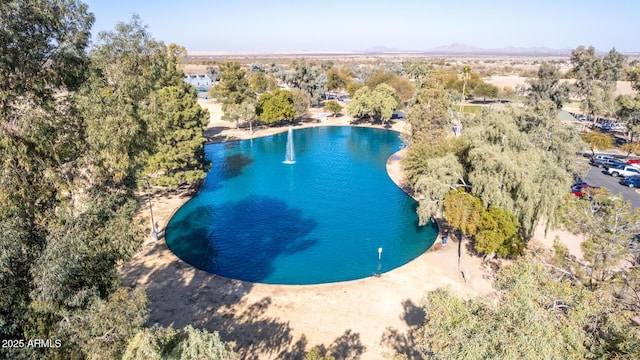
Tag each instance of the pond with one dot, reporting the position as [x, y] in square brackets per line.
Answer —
[323, 218]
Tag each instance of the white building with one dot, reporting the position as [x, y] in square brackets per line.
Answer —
[202, 82]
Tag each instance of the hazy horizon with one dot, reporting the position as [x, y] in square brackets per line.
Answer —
[284, 26]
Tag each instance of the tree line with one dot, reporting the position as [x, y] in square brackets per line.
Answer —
[257, 94]
[508, 171]
[79, 127]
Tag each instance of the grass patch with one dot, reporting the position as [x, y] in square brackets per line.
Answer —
[472, 109]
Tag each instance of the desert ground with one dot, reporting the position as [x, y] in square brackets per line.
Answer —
[363, 319]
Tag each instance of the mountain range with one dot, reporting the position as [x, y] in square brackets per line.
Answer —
[463, 49]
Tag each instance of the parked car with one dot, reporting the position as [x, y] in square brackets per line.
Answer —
[605, 162]
[633, 161]
[623, 170]
[581, 189]
[631, 181]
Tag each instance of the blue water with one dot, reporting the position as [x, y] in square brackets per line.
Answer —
[319, 220]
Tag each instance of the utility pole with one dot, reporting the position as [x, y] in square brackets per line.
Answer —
[154, 228]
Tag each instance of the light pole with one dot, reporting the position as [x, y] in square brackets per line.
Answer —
[154, 228]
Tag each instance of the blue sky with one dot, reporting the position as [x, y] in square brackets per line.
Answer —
[279, 25]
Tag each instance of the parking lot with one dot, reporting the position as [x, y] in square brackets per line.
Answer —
[597, 177]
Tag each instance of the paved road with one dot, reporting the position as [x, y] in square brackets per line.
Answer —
[596, 177]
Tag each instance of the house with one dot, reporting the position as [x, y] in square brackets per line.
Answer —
[202, 82]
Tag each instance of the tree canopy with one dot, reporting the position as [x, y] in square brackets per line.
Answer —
[234, 86]
[333, 106]
[515, 160]
[309, 79]
[597, 140]
[276, 106]
[547, 86]
[596, 78]
[539, 313]
[77, 129]
[376, 104]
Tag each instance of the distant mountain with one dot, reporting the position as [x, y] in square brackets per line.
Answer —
[382, 50]
[464, 49]
[455, 49]
[509, 50]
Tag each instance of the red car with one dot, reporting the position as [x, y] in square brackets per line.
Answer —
[633, 161]
[578, 189]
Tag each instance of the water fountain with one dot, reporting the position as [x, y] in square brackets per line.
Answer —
[290, 157]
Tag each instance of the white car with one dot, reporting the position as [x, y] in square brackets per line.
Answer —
[623, 170]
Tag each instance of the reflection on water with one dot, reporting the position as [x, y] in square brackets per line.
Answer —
[319, 220]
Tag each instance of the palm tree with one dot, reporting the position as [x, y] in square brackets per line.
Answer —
[464, 75]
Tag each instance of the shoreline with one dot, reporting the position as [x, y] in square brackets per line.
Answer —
[286, 321]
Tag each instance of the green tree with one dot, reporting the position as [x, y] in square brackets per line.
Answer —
[633, 75]
[517, 160]
[498, 233]
[361, 104]
[71, 150]
[506, 171]
[115, 101]
[464, 75]
[596, 77]
[176, 124]
[41, 139]
[430, 117]
[376, 104]
[609, 224]
[42, 49]
[486, 90]
[316, 353]
[536, 315]
[309, 79]
[102, 331]
[188, 343]
[385, 101]
[332, 107]
[416, 70]
[597, 140]
[433, 169]
[301, 102]
[336, 79]
[379, 77]
[404, 89]
[245, 111]
[463, 211]
[628, 110]
[261, 83]
[276, 106]
[352, 87]
[234, 87]
[547, 86]
[630, 148]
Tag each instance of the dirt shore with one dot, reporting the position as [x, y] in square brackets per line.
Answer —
[362, 319]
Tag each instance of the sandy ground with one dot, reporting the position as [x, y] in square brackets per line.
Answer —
[363, 319]
[622, 87]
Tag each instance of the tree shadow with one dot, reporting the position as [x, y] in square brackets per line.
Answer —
[234, 164]
[346, 347]
[180, 295]
[404, 343]
[213, 131]
[216, 238]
